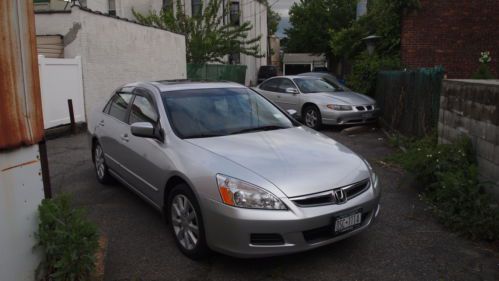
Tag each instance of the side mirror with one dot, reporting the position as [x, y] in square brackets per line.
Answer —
[293, 113]
[143, 129]
[291, 91]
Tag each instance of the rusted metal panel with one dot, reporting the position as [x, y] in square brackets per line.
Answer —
[21, 119]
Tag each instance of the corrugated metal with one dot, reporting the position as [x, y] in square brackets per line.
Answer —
[21, 119]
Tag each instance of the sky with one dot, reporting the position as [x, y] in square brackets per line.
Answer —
[282, 7]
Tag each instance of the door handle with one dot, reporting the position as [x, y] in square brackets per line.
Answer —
[125, 138]
[101, 123]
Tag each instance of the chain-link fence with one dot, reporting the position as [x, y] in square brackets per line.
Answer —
[216, 72]
[410, 99]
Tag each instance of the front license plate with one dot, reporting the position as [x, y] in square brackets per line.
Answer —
[347, 222]
[367, 115]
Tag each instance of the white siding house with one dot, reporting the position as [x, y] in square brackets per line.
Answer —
[114, 51]
[249, 10]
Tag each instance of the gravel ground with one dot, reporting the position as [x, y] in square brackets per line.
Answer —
[405, 243]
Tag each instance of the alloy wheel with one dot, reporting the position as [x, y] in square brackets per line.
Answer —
[311, 118]
[185, 222]
[100, 166]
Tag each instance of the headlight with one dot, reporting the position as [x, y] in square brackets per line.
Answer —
[373, 177]
[241, 194]
[339, 107]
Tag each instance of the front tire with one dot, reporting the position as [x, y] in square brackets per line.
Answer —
[101, 169]
[312, 117]
[186, 222]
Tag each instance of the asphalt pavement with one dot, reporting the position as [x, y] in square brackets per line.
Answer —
[405, 243]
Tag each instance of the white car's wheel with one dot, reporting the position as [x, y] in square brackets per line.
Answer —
[312, 117]
[101, 169]
[186, 222]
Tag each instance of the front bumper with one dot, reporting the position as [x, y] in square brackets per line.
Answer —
[229, 229]
[332, 117]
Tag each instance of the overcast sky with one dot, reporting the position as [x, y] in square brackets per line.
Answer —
[282, 7]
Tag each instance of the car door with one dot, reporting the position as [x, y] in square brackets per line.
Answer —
[269, 89]
[145, 159]
[112, 130]
[288, 100]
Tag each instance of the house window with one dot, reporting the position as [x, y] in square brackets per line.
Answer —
[197, 7]
[167, 5]
[234, 13]
[112, 7]
[234, 58]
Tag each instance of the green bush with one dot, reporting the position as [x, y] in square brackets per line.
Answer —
[68, 240]
[448, 172]
[365, 71]
[483, 72]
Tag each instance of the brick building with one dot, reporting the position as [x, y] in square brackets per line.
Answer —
[451, 34]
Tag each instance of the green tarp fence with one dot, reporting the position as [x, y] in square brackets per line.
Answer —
[216, 72]
[410, 100]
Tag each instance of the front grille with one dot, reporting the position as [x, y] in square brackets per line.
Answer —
[356, 189]
[365, 107]
[315, 201]
[266, 239]
[324, 233]
[327, 197]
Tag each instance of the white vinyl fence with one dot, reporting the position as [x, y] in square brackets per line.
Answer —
[60, 81]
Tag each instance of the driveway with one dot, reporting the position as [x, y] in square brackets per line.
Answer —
[405, 243]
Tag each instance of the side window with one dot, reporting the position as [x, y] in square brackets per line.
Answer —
[143, 110]
[119, 105]
[285, 83]
[271, 85]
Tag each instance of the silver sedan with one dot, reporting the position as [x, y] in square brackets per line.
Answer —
[231, 171]
[319, 101]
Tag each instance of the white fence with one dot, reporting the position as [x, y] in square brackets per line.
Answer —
[61, 80]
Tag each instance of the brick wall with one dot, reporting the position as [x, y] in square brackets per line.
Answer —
[471, 107]
[451, 34]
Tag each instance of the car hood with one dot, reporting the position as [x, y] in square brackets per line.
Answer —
[298, 160]
[351, 98]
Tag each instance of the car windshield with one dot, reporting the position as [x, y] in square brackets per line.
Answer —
[219, 112]
[312, 85]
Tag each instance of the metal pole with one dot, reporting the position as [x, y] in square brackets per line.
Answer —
[47, 188]
[72, 116]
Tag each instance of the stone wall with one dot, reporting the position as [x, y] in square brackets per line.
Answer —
[471, 107]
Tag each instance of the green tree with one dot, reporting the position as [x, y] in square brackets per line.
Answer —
[209, 35]
[312, 20]
[383, 18]
[273, 19]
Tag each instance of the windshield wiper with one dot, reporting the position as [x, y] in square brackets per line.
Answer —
[257, 129]
[197, 136]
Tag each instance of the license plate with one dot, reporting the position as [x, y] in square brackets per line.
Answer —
[367, 115]
[347, 222]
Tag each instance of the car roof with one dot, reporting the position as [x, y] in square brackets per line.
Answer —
[176, 85]
[294, 76]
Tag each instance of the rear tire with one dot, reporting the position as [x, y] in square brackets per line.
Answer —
[101, 169]
[312, 117]
[186, 222]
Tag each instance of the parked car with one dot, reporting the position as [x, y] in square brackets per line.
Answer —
[265, 72]
[231, 171]
[318, 101]
[328, 77]
[320, 69]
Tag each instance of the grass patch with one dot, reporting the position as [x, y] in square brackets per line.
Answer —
[449, 175]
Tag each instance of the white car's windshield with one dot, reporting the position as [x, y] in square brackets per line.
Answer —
[219, 112]
[308, 85]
